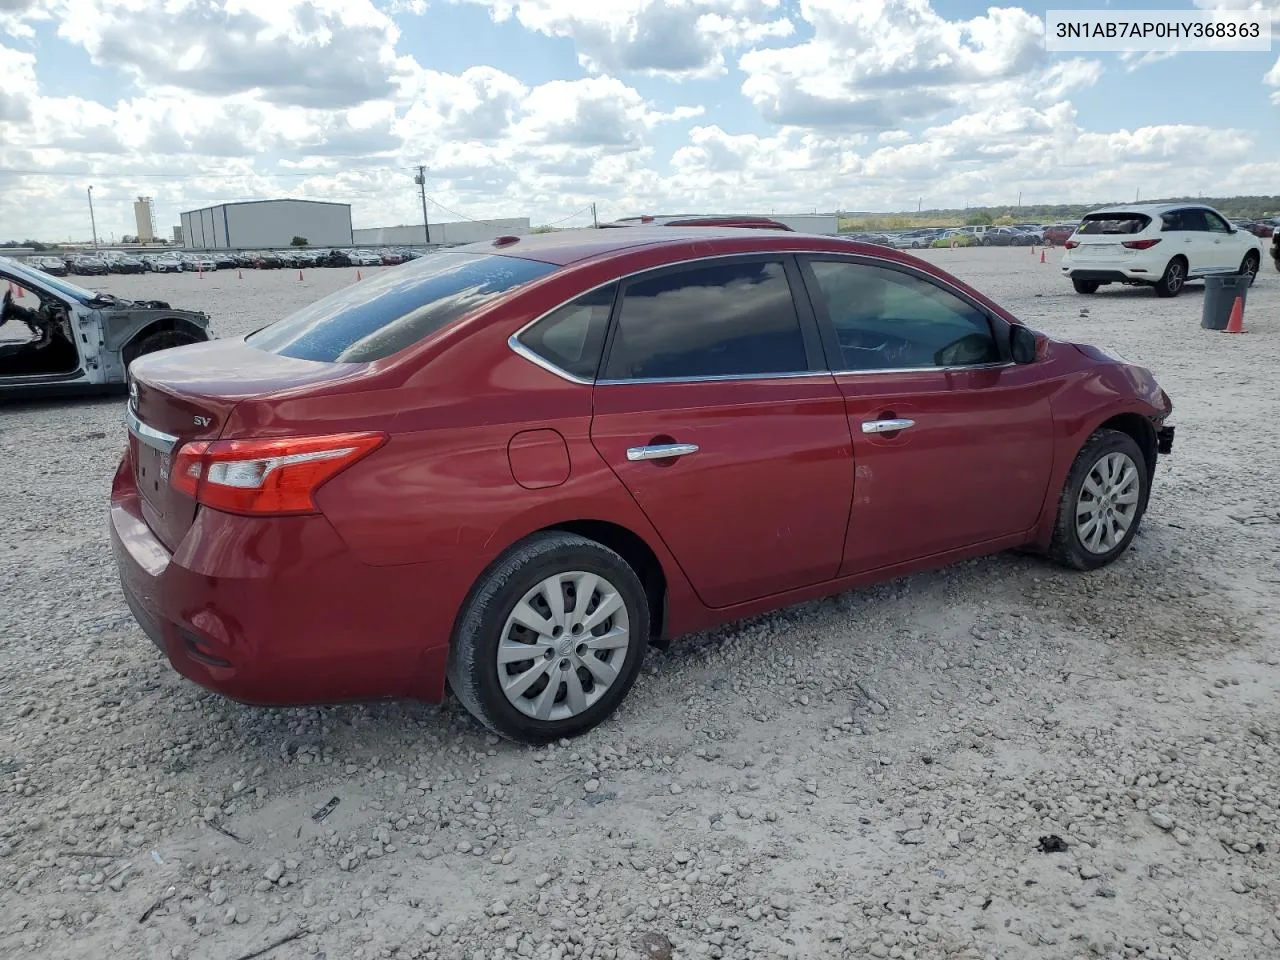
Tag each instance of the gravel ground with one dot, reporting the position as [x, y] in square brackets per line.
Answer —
[874, 775]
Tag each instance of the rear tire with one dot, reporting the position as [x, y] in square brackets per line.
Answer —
[1102, 502]
[486, 662]
[1085, 286]
[1174, 278]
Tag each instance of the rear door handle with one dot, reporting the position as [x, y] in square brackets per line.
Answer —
[886, 426]
[661, 451]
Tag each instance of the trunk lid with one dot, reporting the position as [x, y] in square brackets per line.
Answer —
[176, 396]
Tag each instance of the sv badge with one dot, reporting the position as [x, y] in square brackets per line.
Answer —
[202, 421]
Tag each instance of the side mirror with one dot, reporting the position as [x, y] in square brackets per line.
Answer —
[1023, 344]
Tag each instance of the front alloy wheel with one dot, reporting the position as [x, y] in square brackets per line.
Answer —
[1107, 503]
[1102, 502]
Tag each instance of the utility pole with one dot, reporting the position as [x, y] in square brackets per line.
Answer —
[1019, 203]
[92, 220]
[421, 181]
[919, 203]
[594, 222]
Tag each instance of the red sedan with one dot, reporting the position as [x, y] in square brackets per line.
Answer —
[1059, 233]
[514, 465]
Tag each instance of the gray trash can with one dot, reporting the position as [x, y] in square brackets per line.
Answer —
[1220, 292]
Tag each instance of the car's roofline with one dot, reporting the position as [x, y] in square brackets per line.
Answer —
[575, 246]
[1151, 209]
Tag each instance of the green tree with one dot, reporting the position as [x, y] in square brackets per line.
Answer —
[298, 242]
[979, 219]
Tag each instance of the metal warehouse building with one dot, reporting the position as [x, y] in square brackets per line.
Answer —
[258, 224]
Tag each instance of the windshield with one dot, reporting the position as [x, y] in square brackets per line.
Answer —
[398, 307]
[22, 272]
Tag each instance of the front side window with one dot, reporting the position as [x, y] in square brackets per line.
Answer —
[571, 337]
[1215, 223]
[396, 308]
[890, 320]
[709, 320]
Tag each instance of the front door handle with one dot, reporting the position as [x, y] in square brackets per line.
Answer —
[886, 426]
[661, 451]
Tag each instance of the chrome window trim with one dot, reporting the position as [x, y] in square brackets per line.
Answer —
[156, 439]
[718, 378]
[518, 348]
[952, 369]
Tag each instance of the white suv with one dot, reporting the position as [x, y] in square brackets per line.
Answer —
[1163, 245]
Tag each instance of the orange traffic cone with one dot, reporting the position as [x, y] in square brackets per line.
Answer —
[21, 293]
[299, 274]
[358, 276]
[239, 274]
[1236, 323]
[1033, 249]
[1042, 259]
[200, 273]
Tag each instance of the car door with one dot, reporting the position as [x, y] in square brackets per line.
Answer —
[717, 414]
[1225, 252]
[953, 443]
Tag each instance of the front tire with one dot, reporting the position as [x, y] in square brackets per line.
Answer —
[1249, 266]
[1085, 286]
[551, 638]
[1102, 502]
[1173, 279]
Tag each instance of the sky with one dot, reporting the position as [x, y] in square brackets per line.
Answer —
[538, 108]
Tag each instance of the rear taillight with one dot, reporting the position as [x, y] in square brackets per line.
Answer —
[1071, 244]
[271, 477]
[1140, 244]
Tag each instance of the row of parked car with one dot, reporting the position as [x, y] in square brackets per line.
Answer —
[1014, 235]
[100, 264]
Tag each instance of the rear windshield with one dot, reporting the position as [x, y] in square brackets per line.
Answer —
[396, 308]
[1114, 223]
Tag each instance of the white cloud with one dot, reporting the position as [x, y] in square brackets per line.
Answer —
[314, 53]
[879, 63]
[681, 38]
[1272, 79]
[1271, 6]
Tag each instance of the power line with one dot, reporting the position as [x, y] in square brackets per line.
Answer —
[576, 213]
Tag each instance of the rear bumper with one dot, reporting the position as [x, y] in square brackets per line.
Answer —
[1108, 276]
[277, 611]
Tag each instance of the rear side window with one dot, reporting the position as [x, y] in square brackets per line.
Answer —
[891, 320]
[397, 308]
[710, 320]
[1117, 223]
[572, 337]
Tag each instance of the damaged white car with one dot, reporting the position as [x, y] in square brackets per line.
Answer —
[56, 337]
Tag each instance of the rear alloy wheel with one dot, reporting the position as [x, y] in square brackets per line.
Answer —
[1085, 286]
[1249, 266]
[1102, 502]
[551, 639]
[1174, 278]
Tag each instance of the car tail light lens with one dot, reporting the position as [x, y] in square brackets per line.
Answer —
[1071, 244]
[1140, 244]
[267, 477]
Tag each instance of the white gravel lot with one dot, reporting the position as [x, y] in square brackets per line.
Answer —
[867, 776]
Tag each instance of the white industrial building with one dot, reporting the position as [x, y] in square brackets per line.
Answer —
[263, 224]
[450, 233]
[822, 223]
